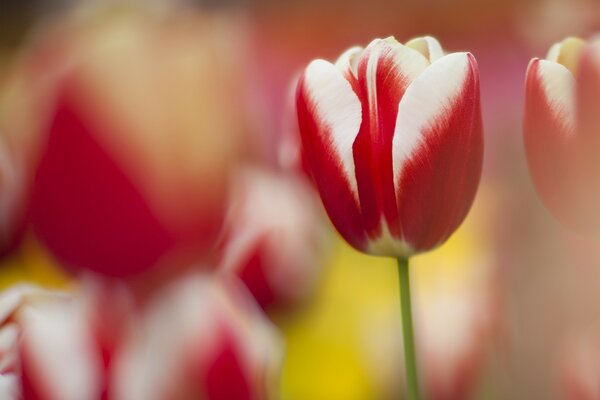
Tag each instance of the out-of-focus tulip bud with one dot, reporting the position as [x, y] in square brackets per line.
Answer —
[138, 140]
[579, 367]
[455, 327]
[562, 131]
[274, 238]
[203, 338]
[12, 199]
[454, 322]
[69, 344]
[393, 137]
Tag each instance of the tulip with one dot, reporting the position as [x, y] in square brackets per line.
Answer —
[67, 342]
[198, 337]
[203, 338]
[274, 238]
[392, 135]
[138, 142]
[393, 138]
[561, 131]
[455, 326]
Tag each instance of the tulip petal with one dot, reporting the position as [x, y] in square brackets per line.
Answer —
[58, 335]
[549, 129]
[385, 70]
[588, 89]
[82, 193]
[347, 63]
[428, 46]
[568, 53]
[438, 150]
[329, 117]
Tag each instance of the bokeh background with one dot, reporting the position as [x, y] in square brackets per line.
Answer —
[508, 308]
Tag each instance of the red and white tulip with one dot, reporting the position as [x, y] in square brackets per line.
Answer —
[392, 135]
[199, 337]
[204, 338]
[138, 140]
[274, 238]
[562, 131]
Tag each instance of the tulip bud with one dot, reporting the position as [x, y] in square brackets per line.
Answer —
[393, 137]
[203, 338]
[274, 238]
[139, 141]
[562, 131]
[199, 337]
[68, 345]
[455, 327]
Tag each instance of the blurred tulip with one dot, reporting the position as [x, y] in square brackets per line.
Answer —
[275, 239]
[59, 357]
[562, 131]
[68, 344]
[393, 137]
[204, 338]
[579, 365]
[12, 302]
[200, 336]
[138, 141]
[455, 326]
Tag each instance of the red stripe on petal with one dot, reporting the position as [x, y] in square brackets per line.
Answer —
[31, 384]
[327, 170]
[382, 81]
[226, 378]
[86, 210]
[254, 274]
[439, 181]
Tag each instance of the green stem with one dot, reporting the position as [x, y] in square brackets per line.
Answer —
[410, 362]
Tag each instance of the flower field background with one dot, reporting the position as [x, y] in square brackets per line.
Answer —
[507, 308]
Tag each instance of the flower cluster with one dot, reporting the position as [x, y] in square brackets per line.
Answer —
[120, 153]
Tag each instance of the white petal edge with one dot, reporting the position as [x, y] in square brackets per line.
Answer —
[61, 349]
[348, 61]
[428, 46]
[568, 53]
[10, 388]
[338, 108]
[425, 100]
[559, 89]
